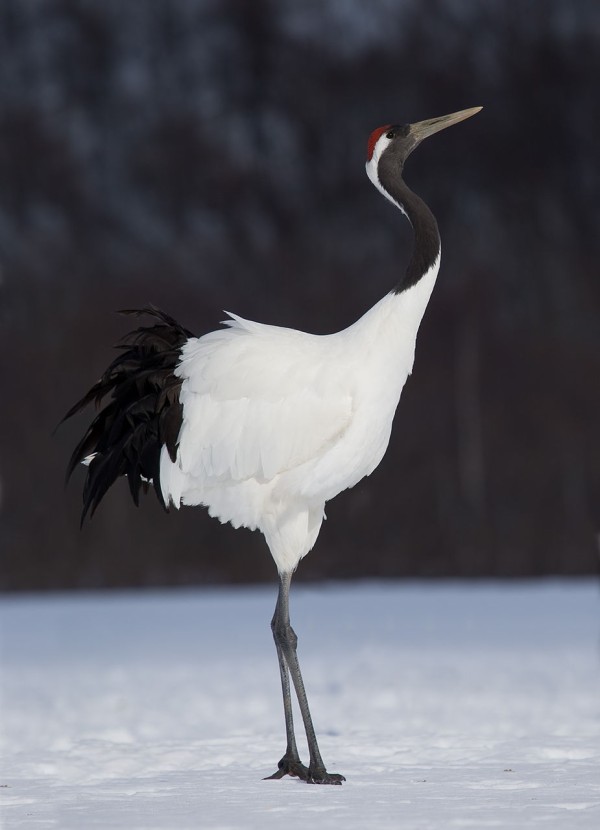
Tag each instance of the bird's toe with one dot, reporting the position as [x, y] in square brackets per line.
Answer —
[319, 775]
[290, 766]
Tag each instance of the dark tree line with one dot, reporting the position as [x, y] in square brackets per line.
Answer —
[204, 155]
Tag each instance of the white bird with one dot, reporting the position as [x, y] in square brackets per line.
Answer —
[263, 425]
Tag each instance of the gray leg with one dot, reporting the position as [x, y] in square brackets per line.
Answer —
[286, 641]
[290, 764]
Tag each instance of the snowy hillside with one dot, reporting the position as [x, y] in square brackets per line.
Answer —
[444, 705]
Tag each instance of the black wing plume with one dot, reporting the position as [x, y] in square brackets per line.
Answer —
[143, 414]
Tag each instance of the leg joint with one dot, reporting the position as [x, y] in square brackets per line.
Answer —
[283, 634]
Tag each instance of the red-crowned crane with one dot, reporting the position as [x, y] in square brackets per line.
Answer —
[263, 425]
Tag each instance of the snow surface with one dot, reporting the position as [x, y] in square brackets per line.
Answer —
[446, 705]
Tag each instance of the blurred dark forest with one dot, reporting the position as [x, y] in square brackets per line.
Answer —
[202, 155]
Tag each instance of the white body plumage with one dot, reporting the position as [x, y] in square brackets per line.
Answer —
[276, 421]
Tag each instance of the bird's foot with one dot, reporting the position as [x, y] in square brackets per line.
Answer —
[319, 775]
[312, 775]
[290, 766]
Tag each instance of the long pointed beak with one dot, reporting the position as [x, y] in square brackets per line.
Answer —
[423, 129]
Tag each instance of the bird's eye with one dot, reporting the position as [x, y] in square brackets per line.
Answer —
[391, 134]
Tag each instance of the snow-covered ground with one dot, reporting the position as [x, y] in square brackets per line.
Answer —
[445, 705]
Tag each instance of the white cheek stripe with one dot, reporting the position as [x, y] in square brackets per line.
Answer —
[371, 167]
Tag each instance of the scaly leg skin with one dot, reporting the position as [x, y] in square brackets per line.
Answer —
[290, 764]
[286, 642]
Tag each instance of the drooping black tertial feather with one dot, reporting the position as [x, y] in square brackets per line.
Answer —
[143, 414]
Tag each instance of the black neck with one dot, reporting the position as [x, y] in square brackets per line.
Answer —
[426, 246]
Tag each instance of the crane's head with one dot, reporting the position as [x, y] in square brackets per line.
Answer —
[391, 145]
